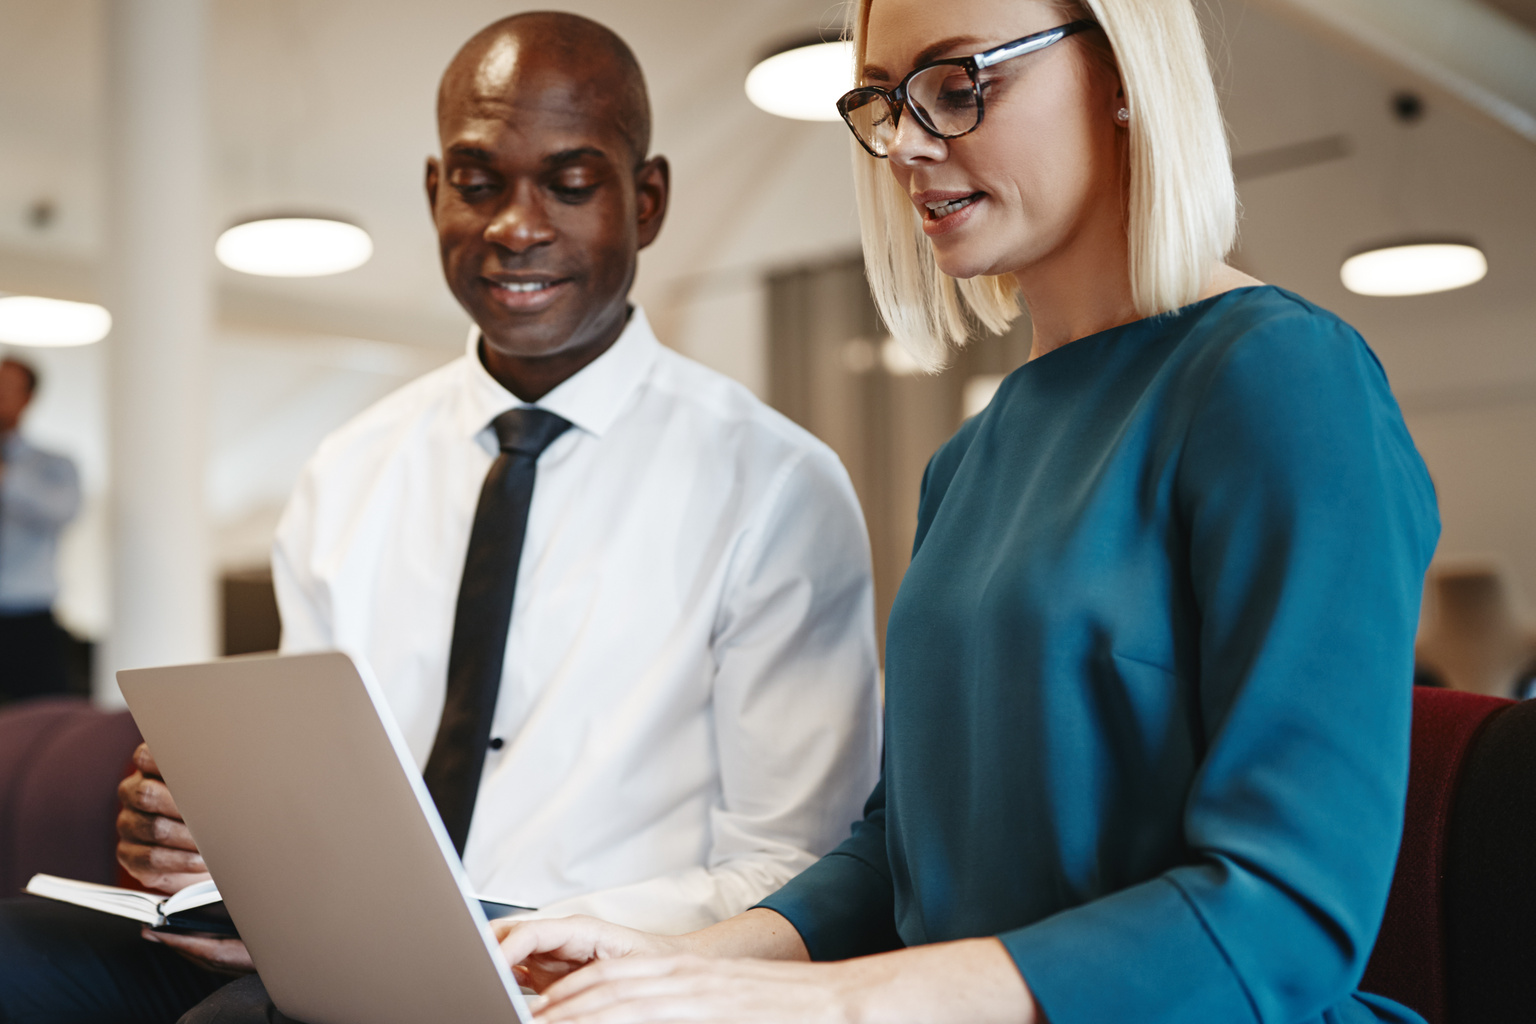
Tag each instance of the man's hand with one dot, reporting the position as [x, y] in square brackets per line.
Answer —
[153, 843]
[542, 952]
[222, 956]
[156, 848]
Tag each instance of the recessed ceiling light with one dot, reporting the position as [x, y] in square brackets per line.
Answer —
[803, 81]
[1414, 268]
[294, 247]
[51, 323]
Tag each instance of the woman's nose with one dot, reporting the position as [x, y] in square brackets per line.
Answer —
[911, 143]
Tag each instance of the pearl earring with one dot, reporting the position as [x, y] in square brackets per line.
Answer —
[1123, 115]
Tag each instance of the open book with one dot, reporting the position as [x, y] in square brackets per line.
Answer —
[197, 908]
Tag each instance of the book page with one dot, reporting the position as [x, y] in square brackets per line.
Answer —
[198, 894]
[138, 906]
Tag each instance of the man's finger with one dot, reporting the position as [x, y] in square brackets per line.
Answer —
[163, 859]
[144, 761]
[154, 830]
[161, 869]
[147, 794]
[170, 832]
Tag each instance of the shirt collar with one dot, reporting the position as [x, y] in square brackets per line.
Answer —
[591, 400]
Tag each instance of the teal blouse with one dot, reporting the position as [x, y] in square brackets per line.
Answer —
[1148, 678]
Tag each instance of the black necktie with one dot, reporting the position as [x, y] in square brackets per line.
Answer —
[484, 615]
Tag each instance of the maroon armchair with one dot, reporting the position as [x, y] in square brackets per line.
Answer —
[1460, 929]
[60, 762]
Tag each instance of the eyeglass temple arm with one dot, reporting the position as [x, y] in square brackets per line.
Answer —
[1023, 46]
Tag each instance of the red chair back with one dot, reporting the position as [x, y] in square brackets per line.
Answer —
[60, 762]
[1411, 960]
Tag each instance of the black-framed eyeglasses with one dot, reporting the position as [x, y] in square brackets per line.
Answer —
[945, 96]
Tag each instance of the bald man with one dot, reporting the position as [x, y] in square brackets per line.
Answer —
[684, 681]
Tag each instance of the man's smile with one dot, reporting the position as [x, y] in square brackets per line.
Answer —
[527, 294]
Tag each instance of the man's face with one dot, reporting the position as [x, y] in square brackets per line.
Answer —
[539, 208]
[14, 396]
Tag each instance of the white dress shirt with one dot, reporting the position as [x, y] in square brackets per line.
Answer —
[689, 708]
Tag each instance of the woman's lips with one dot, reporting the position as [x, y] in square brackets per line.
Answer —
[526, 296]
[945, 215]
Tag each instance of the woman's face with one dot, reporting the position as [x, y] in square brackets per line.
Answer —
[1044, 167]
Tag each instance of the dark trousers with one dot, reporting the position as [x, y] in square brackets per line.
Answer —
[61, 964]
[31, 656]
[244, 1001]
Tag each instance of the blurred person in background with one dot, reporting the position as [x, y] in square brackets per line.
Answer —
[641, 682]
[1148, 674]
[39, 496]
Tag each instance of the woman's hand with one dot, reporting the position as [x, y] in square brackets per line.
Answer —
[969, 982]
[650, 990]
[542, 952]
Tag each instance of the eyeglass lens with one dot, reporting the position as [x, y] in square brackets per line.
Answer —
[943, 97]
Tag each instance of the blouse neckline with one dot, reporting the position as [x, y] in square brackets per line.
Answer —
[1157, 320]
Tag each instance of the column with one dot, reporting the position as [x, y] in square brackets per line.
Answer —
[157, 277]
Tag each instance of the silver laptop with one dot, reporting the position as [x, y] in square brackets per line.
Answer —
[324, 842]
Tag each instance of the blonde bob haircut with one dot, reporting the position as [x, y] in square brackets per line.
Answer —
[1182, 204]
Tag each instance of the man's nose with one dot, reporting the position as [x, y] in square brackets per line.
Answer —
[522, 223]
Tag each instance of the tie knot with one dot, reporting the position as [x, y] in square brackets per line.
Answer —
[528, 431]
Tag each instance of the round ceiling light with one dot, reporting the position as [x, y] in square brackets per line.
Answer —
[51, 323]
[803, 81]
[294, 247]
[1415, 268]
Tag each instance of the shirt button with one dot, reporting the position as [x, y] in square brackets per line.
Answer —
[497, 743]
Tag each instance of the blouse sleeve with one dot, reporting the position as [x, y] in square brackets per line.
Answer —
[1309, 521]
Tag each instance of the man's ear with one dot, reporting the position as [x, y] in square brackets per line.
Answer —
[653, 187]
[432, 179]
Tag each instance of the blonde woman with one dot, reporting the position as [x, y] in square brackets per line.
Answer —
[1148, 674]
